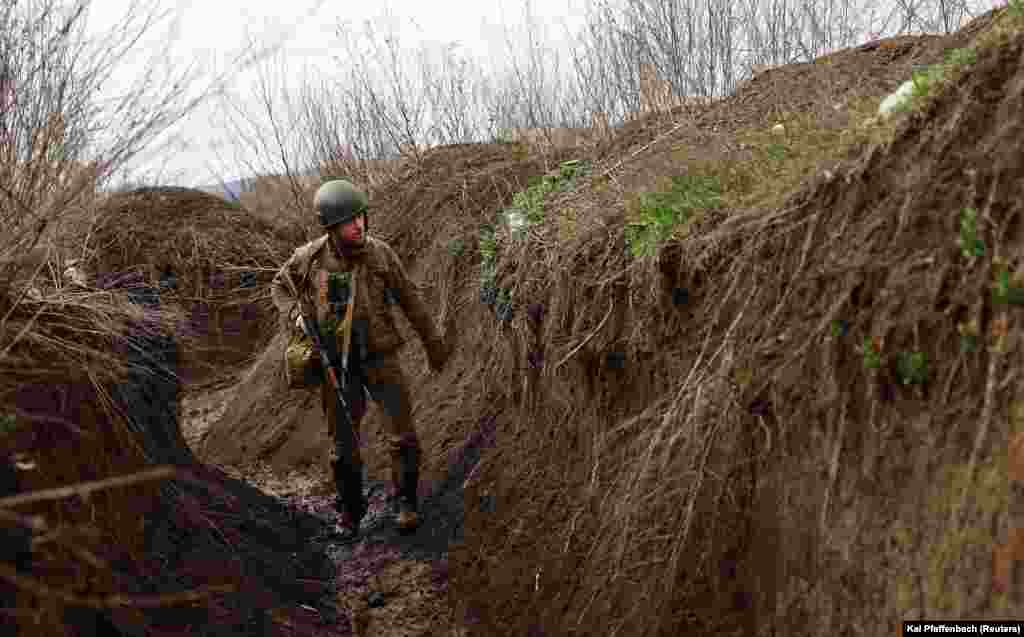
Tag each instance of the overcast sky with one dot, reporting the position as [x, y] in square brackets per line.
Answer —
[212, 31]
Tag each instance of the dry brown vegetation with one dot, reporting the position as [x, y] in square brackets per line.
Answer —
[738, 468]
[732, 436]
[220, 256]
[101, 524]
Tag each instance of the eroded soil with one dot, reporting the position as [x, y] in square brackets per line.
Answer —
[386, 584]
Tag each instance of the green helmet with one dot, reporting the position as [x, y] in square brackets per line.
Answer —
[338, 201]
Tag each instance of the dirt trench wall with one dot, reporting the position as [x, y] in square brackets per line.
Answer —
[265, 421]
[767, 430]
[154, 537]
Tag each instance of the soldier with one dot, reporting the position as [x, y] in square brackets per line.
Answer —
[347, 267]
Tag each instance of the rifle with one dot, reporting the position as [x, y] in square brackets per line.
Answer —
[337, 380]
[336, 377]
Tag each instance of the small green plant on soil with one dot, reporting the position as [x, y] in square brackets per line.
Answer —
[456, 247]
[1007, 289]
[776, 151]
[839, 328]
[962, 57]
[529, 203]
[912, 367]
[968, 336]
[872, 354]
[1016, 8]
[502, 137]
[488, 246]
[8, 423]
[926, 79]
[970, 244]
[659, 213]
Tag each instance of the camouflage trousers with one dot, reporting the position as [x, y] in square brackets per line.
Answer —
[388, 387]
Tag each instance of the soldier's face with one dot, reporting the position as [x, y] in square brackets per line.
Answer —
[350, 231]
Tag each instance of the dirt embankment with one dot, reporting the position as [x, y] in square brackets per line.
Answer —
[197, 554]
[740, 433]
[781, 416]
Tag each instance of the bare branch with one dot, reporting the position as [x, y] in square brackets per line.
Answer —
[86, 488]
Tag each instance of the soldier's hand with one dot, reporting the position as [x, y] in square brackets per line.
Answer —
[300, 326]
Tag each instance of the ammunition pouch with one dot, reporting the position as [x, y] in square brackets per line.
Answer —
[302, 364]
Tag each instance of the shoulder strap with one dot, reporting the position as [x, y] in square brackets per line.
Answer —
[313, 259]
[347, 324]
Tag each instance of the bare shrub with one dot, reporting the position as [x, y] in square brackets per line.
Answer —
[71, 355]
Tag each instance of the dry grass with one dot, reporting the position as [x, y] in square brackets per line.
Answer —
[68, 348]
[667, 450]
[192, 233]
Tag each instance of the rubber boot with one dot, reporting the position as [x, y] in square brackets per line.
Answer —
[407, 517]
[350, 503]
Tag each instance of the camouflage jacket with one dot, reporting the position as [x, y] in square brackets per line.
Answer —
[381, 283]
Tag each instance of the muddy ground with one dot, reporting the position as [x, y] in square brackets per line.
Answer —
[387, 584]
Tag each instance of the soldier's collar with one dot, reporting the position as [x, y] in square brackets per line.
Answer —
[349, 252]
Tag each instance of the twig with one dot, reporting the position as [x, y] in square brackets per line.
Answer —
[611, 305]
[41, 418]
[979, 438]
[85, 488]
[114, 600]
[608, 172]
[833, 470]
[472, 474]
[35, 522]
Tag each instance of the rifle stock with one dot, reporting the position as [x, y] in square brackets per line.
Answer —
[329, 367]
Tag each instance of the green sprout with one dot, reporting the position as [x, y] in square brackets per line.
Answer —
[777, 151]
[488, 244]
[872, 355]
[962, 57]
[912, 367]
[970, 244]
[569, 170]
[1004, 293]
[661, 212]
[456, 247]
[924, 80]
[530, 202]
[968, 336]
[8, 424]
[839, 328]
